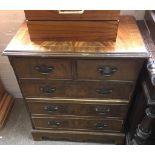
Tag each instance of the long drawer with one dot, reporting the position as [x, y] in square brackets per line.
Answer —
[73, 89]
[72, 14]
[70, 123]
[73, 30]
[116, 138]
[81, 108]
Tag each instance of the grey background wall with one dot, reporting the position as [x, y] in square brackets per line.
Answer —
[9, 24]
[139, 14]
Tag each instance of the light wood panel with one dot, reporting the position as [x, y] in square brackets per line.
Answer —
[73, 30]
[73, 15]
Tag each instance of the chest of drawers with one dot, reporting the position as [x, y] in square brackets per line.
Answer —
[78, 90]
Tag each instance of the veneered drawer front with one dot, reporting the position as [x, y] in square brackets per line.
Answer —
[80, 109]
[72, 14]
[117, 138]
[71, 89]
[67, 123]
[73, 30]
[42, 68]
[109, 69]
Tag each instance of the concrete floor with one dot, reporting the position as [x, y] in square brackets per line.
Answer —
[18, 127]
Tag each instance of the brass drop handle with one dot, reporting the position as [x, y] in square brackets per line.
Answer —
[44, 69]
[54, 123]
[64, 12]
[102, 110]
[47, 90]
[51, 109]
[100, 125]
[107, 70]
[104, 91]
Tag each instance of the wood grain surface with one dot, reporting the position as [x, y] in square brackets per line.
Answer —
[97, 69]
[129, 43]
[76, 89]
[42, 68]
[71, 123]
[78, 108]
[115, 138]
[72, 30]
[46, 15]
[79, 90]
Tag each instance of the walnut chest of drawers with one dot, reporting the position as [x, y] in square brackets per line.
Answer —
[78, 91]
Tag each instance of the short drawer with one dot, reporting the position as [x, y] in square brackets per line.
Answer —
[71, 108]
[72, 14]
[42, 68]
[81, 89]
[68, 123]
[109, 69]
[73, 30]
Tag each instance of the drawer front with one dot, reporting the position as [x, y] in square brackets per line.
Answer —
[109, 69]
[78, 109]
[77, 124]
[42, 68]
[73, 30]
[116, 138]
[70, 89]
[72, 15]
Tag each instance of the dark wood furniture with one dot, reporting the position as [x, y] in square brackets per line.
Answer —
[79, 90]
[150, 23]
[73, 25]
[142, 116]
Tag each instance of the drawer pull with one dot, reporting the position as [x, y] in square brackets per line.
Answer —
[102, 110]
[71, 12]
[104, 91]
[43, 69]
[53, 123]
[100, 125]
[107, 70]
[51, 108]
[47, 90]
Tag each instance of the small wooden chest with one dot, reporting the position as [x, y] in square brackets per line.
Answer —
[73, 25]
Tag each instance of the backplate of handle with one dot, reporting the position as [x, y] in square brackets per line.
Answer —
[104, 91]
[64, 12]
[54, 123]
[51, 109]
[44, 69]
[47, 90]
[102, 110]
[107, 70]
[100, 125]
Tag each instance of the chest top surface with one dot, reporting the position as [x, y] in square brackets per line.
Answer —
[129, 43]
